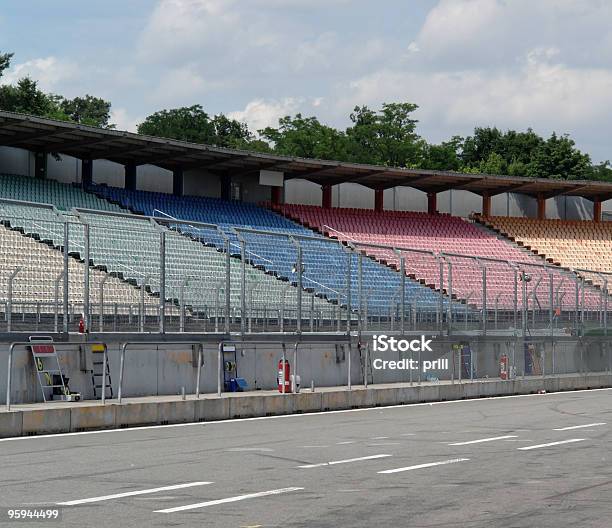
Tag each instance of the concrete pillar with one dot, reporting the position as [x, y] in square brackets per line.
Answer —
[130, 176]
[276, 195]
[597, 210]
[40, 165]
[226, 187]
[541, 207]
[327, 196]
[86, 173]
[379, 200]
[432, 203]
[178, 182]
[486, 205]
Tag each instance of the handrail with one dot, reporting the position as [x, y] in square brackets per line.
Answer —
[10, 369]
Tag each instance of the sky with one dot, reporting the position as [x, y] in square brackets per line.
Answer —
[544, 64]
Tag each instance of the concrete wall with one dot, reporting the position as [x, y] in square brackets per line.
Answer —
[165, 369]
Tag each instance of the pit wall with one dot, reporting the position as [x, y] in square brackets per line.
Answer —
[152, 370]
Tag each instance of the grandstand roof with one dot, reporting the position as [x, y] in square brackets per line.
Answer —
[85, 142]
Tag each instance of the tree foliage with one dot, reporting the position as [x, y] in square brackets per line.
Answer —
[195, 125]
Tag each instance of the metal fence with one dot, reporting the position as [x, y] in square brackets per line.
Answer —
[164, 275]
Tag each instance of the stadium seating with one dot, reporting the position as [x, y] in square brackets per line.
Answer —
[128, 246]
[429, 235]
[40, 267]
[574, 244]
[325, 263]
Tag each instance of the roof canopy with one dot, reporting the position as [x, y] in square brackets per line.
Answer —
[84, 142]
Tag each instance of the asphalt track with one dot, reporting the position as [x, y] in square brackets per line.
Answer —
[524, 461]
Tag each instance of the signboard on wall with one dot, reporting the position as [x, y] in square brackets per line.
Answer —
[271, 178]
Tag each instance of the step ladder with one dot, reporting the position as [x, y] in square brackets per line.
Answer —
[366, 369]
[99, 378]
[48, 369]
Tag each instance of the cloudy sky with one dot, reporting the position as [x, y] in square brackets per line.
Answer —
[545, 64]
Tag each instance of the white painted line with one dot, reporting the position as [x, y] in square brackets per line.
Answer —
[132, 493]
[294, 416]
[378, 444]
[580, 426]
[481, 440]
[421, 466]
[229, 499]
[571, 441]
[348, 460]
[379, 438]
[346, 443]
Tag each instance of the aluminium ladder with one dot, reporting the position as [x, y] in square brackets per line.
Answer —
[48, 370]
[99, 378]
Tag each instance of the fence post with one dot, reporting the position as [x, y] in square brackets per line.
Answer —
[551, 300]
[360, 293]
[162, 282]
[9, 309]
[182, 304]
[440, 314]
[299, 268]
[142, 303]
[102, 281]
[56, 303]
[349, 272]
[450, 297]
[86, 277]
[402, 260]
[219, 367]
[243, 308]
[65, 300]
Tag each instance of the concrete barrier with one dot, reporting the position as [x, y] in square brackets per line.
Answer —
[131, 414]
[46, 421]
[83, 416]
[11, 424]
[212, 409]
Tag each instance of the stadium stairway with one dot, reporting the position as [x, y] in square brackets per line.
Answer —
[468, 249]
[325, 263]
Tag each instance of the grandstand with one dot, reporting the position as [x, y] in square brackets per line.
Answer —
[465, 246]
[267, 236]
[139, 245]
[578, 245]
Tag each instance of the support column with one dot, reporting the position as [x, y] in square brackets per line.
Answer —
[432, 203]
[486, 205]
[379, 200]
[86, 173]
[40, 165]
[541, 207]
[178, 182]
[226, 187]
[130, 176]
[327, 196]
[597, 210]
[276, 196]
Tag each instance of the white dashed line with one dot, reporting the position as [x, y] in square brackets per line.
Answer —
[570, 441]
[347, 461]
[482, 440]
[580, 426]
[421, 466]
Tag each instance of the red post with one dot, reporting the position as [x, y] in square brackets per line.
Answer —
[597, 210]
[276, 196]
[379, 200]
[327, 196]
[432, 203]
[486, 205]
[541, 207]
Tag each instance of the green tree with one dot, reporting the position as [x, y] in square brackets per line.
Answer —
[5, 61]
[88, 110]
[559, 158]
[387, 137]
[193, 124]
[26, 98]
[443, 157]
[306, 137]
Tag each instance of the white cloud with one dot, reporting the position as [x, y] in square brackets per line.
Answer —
[259, 114]
[123, 120]
[50, 72]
